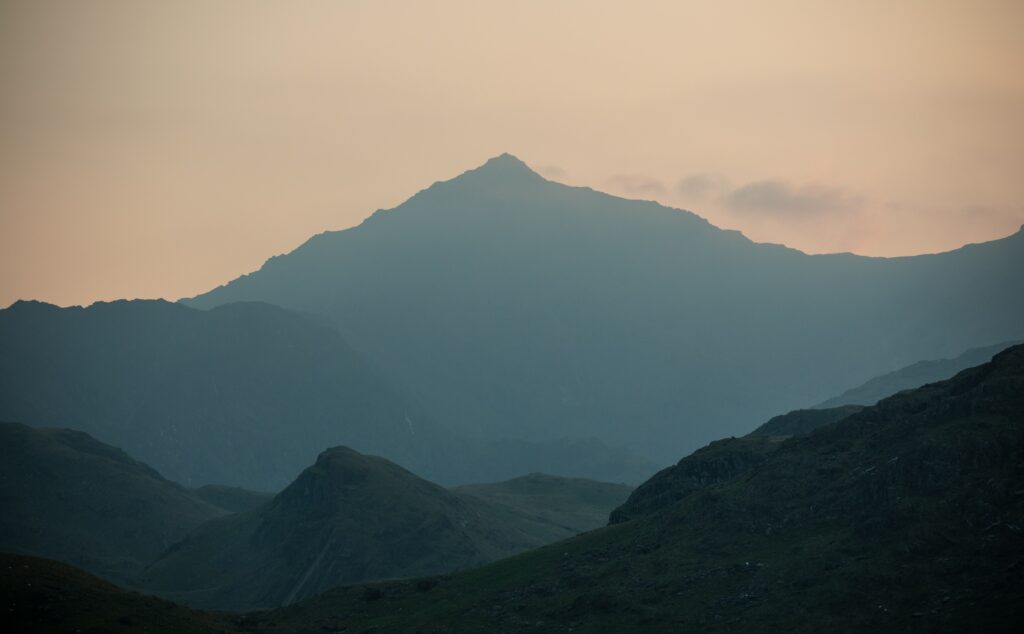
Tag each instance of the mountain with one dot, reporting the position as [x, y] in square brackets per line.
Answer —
[39, 595]
[576, 504]
[64, 495]
[904, 516]
[352, 517]
[913, 376]
[245, 395]
[513, 306]
[232, 499]
[803, 421]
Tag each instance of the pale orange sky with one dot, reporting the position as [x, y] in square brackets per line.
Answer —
[157, 149]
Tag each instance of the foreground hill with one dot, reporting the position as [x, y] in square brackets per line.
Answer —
[38, 595]
[352, 517]
[66, 496]
[244, 395]
[913, 376]
[905, 516]
[516, 306]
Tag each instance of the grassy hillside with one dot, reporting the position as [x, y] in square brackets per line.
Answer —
[905, 516]
[38, 595]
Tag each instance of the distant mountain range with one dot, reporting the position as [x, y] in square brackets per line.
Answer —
[245, 395]
[914, 376]
[902, 516]
[512, 306]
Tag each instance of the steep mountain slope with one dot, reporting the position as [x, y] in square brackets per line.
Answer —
[576, 504]
[349, 518]
[913, 376]
[803, 421]
[515, 306]
[38, 595]
[243, 395]
[66, 496]
[905, 516]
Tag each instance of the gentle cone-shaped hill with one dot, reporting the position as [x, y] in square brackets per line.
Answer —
[67, 496]
[905, 516]
[349, 517]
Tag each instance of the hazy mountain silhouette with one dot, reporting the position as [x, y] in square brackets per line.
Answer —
[914, 376]
[232, 499]
[515, 306]
[244, 395]
[575, 504]
[904, 516]
[64, 495]
[352, 517]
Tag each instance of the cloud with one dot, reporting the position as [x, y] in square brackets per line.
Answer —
[702, 186]
[551, 171]
[782, 199]
[636, 184]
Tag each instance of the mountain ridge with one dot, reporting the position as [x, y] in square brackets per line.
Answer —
[538, 309]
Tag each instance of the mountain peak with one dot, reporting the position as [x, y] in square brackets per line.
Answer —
[504, 166]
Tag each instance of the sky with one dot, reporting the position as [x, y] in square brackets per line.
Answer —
[158, 149]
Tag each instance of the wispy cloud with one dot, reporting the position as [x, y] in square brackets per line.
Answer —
[551, 171]
[636, 184]
[701, 186]
[780, 198]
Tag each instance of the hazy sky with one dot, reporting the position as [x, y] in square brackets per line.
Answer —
[154, 149]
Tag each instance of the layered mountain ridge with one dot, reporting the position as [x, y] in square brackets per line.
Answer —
[513, 306]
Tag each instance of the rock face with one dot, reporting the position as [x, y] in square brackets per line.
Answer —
[65, 495]
[348, 518]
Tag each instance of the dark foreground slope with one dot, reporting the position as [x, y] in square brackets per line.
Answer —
[67, 496]
[913, 376]
[516, 306]
[242, 395]
[906, 516]
[38, 595]
[350, 518]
